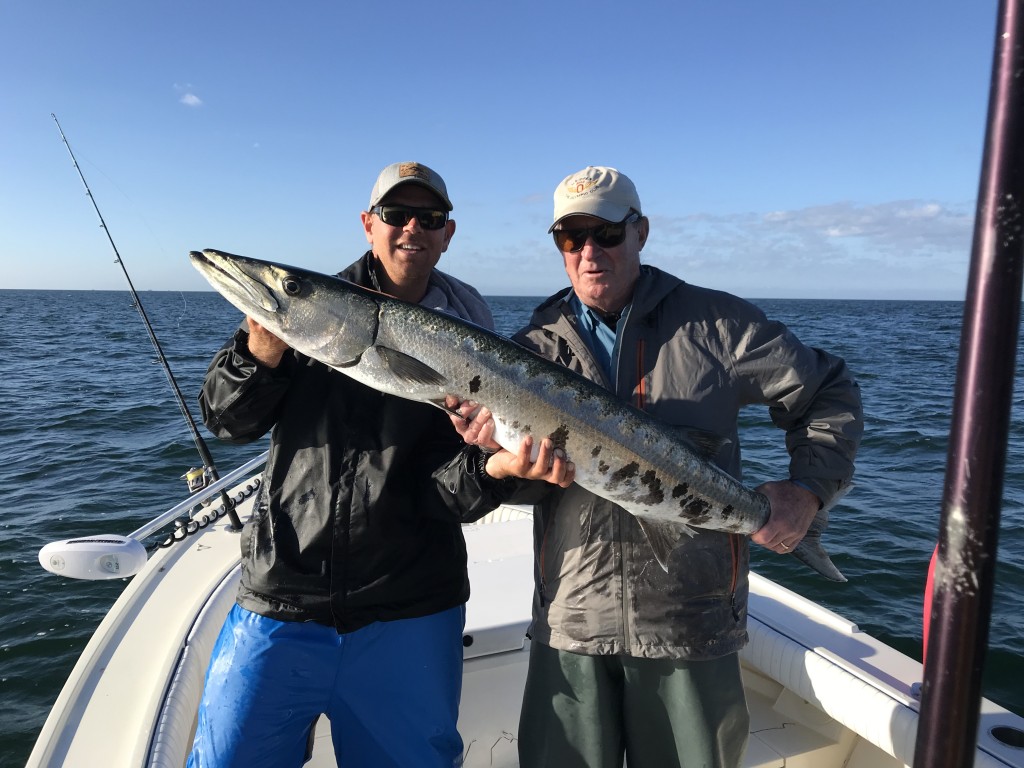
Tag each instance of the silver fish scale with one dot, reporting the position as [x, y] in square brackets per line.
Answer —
[620, 453]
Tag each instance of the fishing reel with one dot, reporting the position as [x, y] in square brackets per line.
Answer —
[197, 478]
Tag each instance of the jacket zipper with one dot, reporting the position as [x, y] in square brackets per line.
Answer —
[540, 563]
[640, 401]
[640, 394]
[734, 542]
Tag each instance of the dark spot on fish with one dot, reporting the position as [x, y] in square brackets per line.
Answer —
[307, 496]
[603, 468]
[596, 452]
[697, 511]
[474, 384]
[680, 490]
[654, 493]
[624, 473]
[515, 424]
[727, 511]
[630, 470]
[560, 436]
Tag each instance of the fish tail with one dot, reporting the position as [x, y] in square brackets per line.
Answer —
[810, 552]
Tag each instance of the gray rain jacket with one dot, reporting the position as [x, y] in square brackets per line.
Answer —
[691, 357]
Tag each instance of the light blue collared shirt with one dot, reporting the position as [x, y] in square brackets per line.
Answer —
[602, 340]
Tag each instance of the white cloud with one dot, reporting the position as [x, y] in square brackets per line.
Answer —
[908, 228]
[838, 249]
[188, 98]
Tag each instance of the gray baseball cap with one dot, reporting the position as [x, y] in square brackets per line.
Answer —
[408, 173]
[596, 191]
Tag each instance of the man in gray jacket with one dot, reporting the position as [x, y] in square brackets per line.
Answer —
[628, 659]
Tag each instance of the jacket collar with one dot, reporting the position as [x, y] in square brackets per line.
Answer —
[651, 289]
[360, 272]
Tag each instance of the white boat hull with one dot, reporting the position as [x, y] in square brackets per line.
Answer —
[821, 693]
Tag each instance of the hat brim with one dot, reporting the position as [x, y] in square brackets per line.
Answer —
[611, 214]
[419, 183]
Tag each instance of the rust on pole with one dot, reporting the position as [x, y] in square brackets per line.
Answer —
[972, 496]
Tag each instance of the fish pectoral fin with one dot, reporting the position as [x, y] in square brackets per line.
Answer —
[663, 537]
[408, 369]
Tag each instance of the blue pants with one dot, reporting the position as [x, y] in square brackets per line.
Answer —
[391, 691]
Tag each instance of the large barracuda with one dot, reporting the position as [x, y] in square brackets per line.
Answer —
[620, 453]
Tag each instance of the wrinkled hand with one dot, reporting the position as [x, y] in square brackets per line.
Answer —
[793, 509]
[265, 346]
[475, 425]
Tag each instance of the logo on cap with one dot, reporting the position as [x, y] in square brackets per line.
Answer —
[413, 169]
[579, 185]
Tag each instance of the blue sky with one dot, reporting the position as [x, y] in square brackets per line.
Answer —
[783, 148]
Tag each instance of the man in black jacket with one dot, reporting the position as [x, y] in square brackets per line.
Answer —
[354, 580]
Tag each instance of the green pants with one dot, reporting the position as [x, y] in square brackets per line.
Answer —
[589, 711]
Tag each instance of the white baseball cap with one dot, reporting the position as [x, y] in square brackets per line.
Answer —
[596, 191]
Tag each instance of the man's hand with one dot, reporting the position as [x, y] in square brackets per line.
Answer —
[793, 509]
[473, 423]
[476, 427]
[265, 346]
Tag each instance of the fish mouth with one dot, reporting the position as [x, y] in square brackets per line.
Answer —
[234, 279]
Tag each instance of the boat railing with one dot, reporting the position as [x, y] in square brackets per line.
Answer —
[197, 498]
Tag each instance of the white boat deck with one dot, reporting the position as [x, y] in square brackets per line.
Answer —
[821, 693]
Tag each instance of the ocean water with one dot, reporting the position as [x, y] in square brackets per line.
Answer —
[92, 441]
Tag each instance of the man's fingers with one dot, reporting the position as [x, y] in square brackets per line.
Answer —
[550, 464]
[524, 453]
[474, 423]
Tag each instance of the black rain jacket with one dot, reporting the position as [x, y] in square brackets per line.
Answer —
[349, 527]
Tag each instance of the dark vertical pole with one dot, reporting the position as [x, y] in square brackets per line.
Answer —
[964, 575]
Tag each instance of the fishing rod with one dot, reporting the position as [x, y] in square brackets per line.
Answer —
[209, 467]
[969, 534]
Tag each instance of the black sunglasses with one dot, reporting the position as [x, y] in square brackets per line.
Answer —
[400, 215]
[606, 235]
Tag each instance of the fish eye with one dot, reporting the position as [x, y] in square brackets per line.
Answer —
[292, 285]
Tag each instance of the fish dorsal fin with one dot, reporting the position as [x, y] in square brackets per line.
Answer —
[407, 369]
[663, 537]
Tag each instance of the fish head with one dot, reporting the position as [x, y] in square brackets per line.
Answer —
[323, 317]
